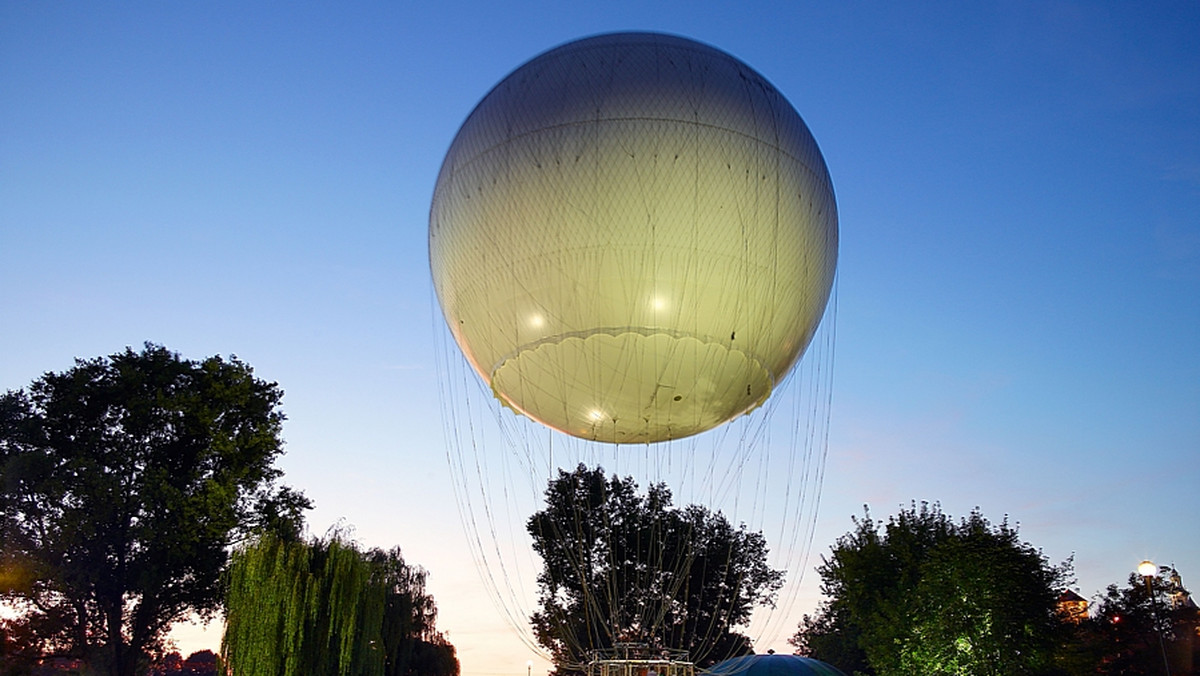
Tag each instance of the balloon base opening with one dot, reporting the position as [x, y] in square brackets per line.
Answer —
[631, 386]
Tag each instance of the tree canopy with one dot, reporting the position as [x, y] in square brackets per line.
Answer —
[326, 607]
[925, 594]
[123, 483]
[620, 566]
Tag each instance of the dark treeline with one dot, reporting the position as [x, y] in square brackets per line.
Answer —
[926, 594]
[126, 482]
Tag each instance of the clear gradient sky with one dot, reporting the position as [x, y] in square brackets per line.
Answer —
[1019, 281]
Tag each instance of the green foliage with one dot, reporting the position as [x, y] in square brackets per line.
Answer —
[123, 482]
[325, 607]
[620, 566]
[927, 595]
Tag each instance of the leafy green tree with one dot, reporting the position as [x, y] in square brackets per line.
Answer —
[123, 482]
[928, 595]
[619, 566]
[325, 607]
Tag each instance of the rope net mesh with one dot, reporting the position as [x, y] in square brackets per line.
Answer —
[633, 242]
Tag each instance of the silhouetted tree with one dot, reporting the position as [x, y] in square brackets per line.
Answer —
[621, 566]
[325, 607]
[1123, 633]
[199, 663]
[123, 482]
[928, 595]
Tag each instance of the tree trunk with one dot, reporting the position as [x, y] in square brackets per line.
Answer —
[79, 643]
[121, 660]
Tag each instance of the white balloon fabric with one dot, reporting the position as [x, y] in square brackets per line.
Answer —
[633, 238]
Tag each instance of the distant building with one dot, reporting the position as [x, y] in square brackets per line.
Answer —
[1180, 598]
[1072, 606]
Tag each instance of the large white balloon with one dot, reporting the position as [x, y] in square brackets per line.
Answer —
[633, 238]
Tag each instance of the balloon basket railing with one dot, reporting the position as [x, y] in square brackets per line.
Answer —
[628, 659]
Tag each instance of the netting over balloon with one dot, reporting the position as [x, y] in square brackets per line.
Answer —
[633, 242]
[633, 238]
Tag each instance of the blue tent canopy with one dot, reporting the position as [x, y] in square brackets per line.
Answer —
[773, 665]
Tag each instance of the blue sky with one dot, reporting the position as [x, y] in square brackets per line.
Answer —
[1019, 282]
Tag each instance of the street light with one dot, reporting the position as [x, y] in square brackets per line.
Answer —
[1148, 570]
[528, 667]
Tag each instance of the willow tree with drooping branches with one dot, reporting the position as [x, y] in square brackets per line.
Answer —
[327, 607]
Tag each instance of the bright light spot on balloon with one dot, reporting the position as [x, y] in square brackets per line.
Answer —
[658, 303]
[596, 415]
[537, 321]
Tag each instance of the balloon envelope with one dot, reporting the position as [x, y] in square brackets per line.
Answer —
[633, 238]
